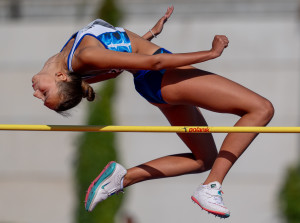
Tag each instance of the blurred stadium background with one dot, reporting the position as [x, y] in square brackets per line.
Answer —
[37, 169]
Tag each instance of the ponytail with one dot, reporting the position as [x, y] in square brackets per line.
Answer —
[71, 92]
[87, 91]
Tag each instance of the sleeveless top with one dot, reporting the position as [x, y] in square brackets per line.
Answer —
[112, 38]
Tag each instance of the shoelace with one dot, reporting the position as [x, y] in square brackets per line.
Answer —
[218, 198]
[117, 191]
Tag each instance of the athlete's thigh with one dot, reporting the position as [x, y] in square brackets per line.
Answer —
[202, 145]
[188, 85]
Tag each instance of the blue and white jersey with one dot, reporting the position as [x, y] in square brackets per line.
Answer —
[112, 38]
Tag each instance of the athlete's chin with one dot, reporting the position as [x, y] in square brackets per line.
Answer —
[51, 106]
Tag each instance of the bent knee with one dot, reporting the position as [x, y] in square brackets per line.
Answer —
[261, 112]
[206, 163]
[266, 111]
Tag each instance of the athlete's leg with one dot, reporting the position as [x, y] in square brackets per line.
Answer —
[114, 177]
[199, 88]
[202, 146]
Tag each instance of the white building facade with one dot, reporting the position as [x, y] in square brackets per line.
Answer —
[36, 168]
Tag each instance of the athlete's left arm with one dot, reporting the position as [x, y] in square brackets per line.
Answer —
[96, 58]
[158, 27]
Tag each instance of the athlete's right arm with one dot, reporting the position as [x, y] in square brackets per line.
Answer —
[158, 27]
[97, 58]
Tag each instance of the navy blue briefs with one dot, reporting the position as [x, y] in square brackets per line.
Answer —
[148, 82]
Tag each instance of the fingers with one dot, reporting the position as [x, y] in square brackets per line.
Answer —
[219, 43]
[225, 40]
[169, 11]
[158, 27]
[222, 39]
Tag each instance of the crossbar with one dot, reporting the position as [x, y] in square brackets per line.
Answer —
[167, 129]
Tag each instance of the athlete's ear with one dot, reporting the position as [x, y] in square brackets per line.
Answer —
[60, 76]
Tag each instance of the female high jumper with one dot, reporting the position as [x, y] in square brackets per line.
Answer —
[100, 51]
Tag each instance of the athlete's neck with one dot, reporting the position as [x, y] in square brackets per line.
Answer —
[57, 63]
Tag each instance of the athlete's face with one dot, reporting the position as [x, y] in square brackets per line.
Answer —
[45, 88]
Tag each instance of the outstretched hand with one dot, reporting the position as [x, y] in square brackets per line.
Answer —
[220, 42]
[158, 27]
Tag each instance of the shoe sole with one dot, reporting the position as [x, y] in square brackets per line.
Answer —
[93, 188]
[216, 213]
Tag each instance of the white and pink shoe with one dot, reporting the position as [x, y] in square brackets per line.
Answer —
[109, 182]
[209, 198]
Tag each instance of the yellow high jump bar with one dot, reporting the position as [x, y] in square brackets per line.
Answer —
[167, 129]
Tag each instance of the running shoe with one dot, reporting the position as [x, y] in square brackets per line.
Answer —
[109, 182]
[209, 198]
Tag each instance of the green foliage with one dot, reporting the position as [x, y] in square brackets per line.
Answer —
[95, 151]
[110, 12]
[290, 196]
